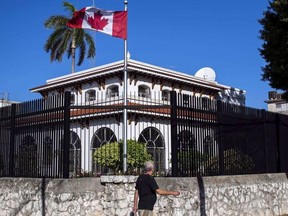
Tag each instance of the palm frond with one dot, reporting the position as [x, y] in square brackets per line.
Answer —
[69, 51]
[56, 22]
[65, 41]
[54, 51]
[80, 43]
[91, 45]
[53, 38]
[69, 7]
[82, 51]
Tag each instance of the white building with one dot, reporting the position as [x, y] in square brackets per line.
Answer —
[147, 84]
[4, 100]
[276, 103]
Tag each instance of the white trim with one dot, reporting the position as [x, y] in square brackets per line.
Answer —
[132, 65]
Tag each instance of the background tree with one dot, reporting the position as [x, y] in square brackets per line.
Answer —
[64, 39]
[110, 155]
[275, 47]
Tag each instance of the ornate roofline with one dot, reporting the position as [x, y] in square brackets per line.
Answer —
[132, 65]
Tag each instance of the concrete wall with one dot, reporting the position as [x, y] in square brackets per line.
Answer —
[265, 194]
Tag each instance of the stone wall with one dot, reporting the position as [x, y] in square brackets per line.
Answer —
[265, 194]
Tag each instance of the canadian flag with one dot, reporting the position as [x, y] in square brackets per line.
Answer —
[113, 23]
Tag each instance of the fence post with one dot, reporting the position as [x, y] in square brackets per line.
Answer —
[66, 144]
[174, 147]
[220, 134]
[277, 122]
[267, 168]
[12, 142]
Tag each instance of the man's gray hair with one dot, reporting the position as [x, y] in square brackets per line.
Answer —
[149, 166]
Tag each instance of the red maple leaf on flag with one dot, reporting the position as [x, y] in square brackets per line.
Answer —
[97, 22]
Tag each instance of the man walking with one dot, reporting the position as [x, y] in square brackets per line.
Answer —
[146, 189]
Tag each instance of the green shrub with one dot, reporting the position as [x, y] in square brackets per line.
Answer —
[235, 162]
[110, 155]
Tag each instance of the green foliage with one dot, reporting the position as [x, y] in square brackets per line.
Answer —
[235, 162]
[274, 49]
[191, 160]
[65, 40]
[137, 154]
[110, 155]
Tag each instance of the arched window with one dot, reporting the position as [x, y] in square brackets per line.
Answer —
[144, 91]
[165, 95]
[187, 140]
[28, 157]
[112, 91]
[90, 95]
[154, 140]
[101, 137]
[75, 154]
[208, 145]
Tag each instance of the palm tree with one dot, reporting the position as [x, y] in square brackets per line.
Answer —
[65, 39]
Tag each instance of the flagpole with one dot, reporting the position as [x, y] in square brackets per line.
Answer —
[125, 102]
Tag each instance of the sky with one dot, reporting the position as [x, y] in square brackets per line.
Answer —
[182, 35]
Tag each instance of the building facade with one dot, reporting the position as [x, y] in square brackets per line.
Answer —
[4, 100]
[147, 85]
[276, 103]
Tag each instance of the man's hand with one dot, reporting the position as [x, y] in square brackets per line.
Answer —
[176, 193]
[135, 209]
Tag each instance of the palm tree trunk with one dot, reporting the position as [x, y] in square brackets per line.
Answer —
[73, 52]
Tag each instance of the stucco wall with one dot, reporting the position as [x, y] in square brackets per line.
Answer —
[265, 194]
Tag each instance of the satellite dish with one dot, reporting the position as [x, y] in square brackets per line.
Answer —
[206, 73]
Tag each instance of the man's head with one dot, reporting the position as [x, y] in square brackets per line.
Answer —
[149, 167]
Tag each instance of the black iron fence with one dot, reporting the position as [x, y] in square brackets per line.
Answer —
[210, 137]
[33, 142]
[70, 136]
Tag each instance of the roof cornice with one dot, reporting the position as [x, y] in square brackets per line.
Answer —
[108, 69]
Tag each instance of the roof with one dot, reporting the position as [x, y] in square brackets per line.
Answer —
[132, 65]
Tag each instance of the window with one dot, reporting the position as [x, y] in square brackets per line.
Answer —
[90, 95]
[74, 154]
[144, 91]
[206, 103]
[208, 148]
[165, 95]
[72, 99]
[154, 140]
[113, 91]
[101, 137]
[185, 100]
[187, 140]
[281, 107]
